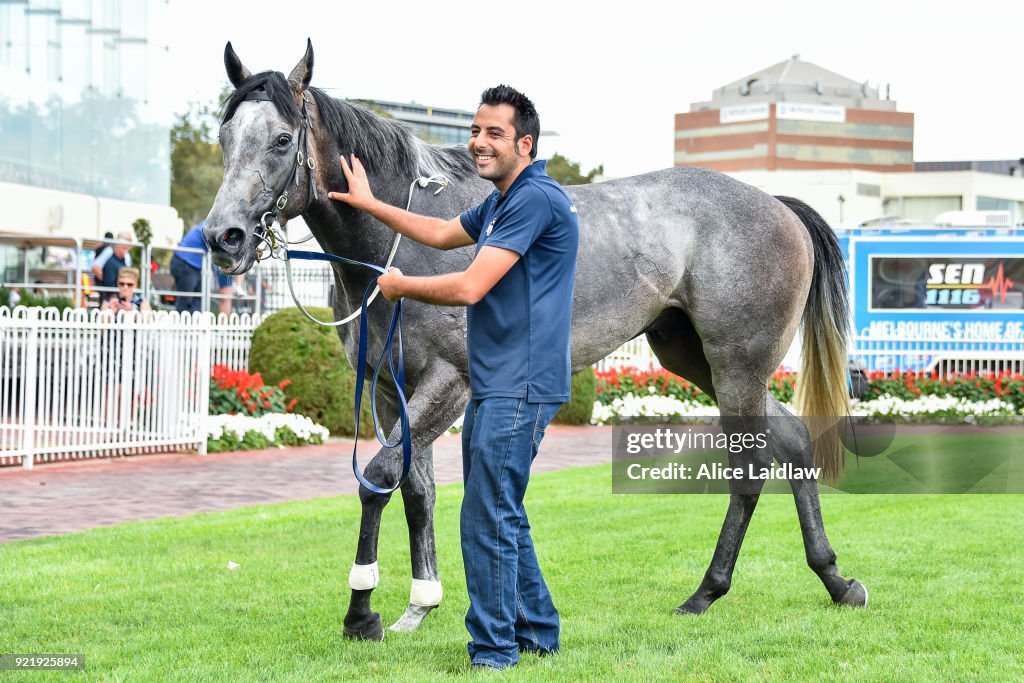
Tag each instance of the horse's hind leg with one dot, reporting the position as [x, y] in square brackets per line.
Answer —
[679, 349]
[791, 443]
[737, 418]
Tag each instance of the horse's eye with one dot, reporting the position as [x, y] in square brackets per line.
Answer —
[283, 139]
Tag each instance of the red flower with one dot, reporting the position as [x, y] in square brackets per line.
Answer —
[291, 404]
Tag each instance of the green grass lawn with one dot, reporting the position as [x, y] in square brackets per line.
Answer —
[155, 600]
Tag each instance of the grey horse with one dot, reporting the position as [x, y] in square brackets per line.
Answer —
[717, 274]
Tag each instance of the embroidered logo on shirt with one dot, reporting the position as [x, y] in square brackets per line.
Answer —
[491, 226]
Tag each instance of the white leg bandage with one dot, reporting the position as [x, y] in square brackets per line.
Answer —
[363, 577]
[425, 593]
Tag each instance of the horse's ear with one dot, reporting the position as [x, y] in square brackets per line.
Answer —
[236, 70]
[302, 74]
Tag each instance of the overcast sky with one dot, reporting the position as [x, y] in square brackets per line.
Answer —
[609, 78]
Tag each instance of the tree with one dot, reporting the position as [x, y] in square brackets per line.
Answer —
[567, 172]
[196, 166]
[144, 234]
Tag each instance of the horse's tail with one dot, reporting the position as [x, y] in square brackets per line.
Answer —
[822, 396]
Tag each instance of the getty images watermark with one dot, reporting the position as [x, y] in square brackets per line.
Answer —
[676, 440]
[764, 455]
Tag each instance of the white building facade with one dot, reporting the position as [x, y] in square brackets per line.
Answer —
[848, 198]
[84, 128]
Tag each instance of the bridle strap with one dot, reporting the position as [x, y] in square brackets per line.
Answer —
[302, 159]
[277, 246]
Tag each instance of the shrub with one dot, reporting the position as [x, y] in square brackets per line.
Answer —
[579, 409]
[29, 299]
[288, 346]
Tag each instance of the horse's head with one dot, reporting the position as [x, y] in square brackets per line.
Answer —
[267, 171]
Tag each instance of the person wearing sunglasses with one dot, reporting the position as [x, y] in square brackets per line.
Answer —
[127, 298]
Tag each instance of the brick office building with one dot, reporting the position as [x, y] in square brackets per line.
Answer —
[795, 115]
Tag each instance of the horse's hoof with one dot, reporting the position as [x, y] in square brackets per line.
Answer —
[856, 595]
[693, 606]
[413, 617]
[373, 629]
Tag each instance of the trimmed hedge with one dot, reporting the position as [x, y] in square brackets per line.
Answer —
[584, 392]
[288, 346]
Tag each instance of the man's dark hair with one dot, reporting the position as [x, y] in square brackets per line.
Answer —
[525, 120]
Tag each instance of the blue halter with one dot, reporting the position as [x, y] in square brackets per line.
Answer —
[398, 375]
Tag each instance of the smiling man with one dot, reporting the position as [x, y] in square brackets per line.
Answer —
[518, 290]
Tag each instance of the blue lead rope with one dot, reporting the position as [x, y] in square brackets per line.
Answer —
[398, 375]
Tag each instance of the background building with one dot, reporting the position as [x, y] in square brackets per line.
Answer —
[84, 130]
[795, 128]
[432, 124]
[795, 115]
[1014, 167]
[847, 198]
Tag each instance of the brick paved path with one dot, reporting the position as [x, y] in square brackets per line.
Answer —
[63, 497]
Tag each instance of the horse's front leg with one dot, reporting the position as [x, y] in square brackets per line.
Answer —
[436, 403]
[419, 495]
[361, 622]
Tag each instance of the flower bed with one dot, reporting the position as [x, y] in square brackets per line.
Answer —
[246, 414]
[239, 392]
[241, 432]
[627, 394]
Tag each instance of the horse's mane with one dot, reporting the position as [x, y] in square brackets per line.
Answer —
[383, 145]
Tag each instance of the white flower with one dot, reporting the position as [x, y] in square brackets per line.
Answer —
[267, 426]
[630, 406]
[887, 405]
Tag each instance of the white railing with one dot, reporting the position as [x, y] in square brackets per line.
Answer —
[636, 353]
[906, 354]
[82, 384]
[944, 357]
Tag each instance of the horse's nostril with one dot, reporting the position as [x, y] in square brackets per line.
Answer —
[232, 239]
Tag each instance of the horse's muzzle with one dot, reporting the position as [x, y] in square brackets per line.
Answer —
[228, 248]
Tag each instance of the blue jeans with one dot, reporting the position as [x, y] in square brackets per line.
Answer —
[510, 608]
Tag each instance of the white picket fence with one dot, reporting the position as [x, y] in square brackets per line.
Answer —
[906, 354]
[940, 356]
[88, 384]
[83, 384]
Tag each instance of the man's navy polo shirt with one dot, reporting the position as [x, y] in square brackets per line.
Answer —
[110, 270]
[518, 337]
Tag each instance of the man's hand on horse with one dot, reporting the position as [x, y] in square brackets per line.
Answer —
[388, 284]
[359, 194]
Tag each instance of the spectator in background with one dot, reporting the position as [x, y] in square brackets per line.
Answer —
[127, 297]
[113, 264]
[96, 267]
[187, 269]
